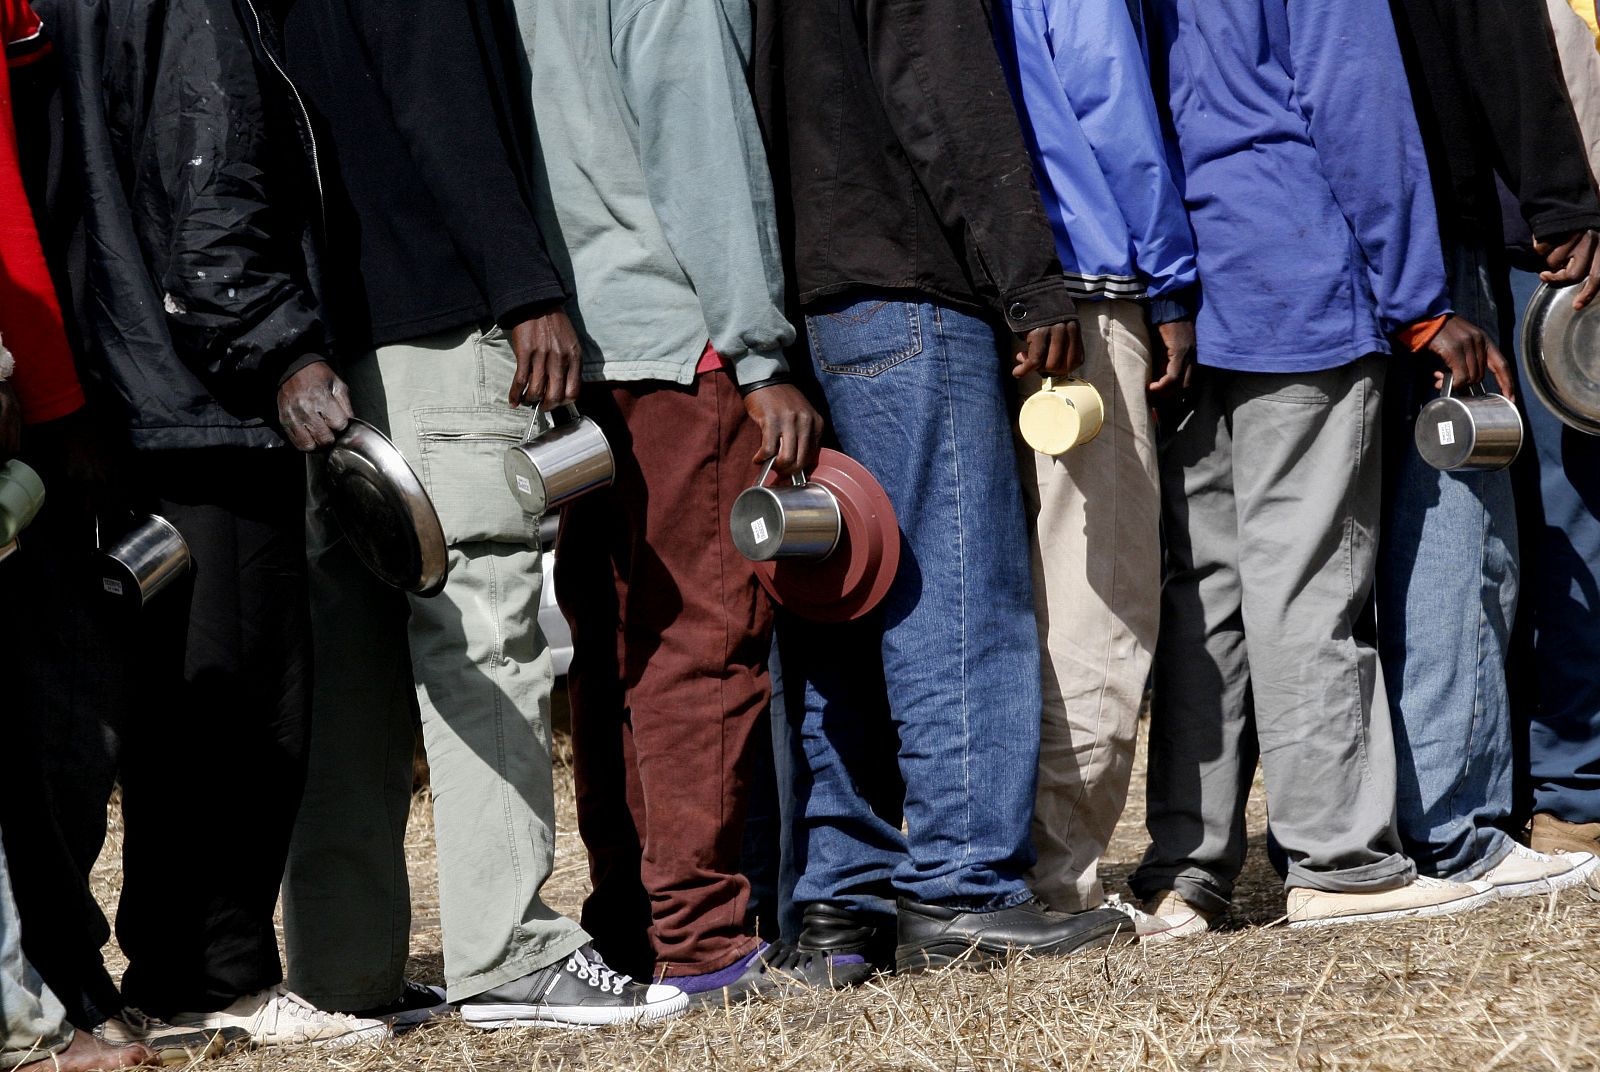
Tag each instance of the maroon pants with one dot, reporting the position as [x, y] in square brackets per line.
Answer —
[671, 635]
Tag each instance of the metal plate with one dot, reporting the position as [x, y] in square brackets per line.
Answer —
[385, 512]
[1561, 356]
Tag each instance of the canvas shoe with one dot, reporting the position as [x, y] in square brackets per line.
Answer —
[1525, 873]
[417, 1004]
[1550, 835]
[1180, 918]
[1420, 898]
[171, 1045]
[1145, 924]
[579, 992]
[277, 1017]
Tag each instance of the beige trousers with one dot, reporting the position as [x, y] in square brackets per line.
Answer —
[1097, 593]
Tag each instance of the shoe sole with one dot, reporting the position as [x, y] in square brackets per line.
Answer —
[1443, 908]
[976, 956]
[492, 1017]
[367, 1036]
[405, 1021]
[1578, 876]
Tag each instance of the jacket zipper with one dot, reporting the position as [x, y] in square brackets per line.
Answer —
[305, 114]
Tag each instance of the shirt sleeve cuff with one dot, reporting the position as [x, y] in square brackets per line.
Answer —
[1418, 335]
[755, 367]
[1038, 305]
[1180, 304]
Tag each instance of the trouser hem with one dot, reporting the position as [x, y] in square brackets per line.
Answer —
[1200, 888]
[524, 962]
[1390, 873]
[1502, 843]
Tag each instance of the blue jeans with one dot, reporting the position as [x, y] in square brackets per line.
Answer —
[1447, 592]
[915, 393]
[1561, 594]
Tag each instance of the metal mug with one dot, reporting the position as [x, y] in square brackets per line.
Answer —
[144, 562]
[565, 461]
[1476, 431]
[1061, 416]
[798, 520]
[21, 497]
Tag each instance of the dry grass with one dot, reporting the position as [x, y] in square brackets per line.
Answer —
[1514, 986]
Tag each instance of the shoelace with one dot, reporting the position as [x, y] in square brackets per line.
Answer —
[1117, 904]
[281, 1003]
[597, 975]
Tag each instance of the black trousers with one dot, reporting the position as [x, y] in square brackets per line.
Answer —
[206, 727]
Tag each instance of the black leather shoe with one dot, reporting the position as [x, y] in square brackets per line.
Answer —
[931, 936]
[837, 949]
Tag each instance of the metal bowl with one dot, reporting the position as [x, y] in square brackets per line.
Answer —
[1561, 356]
[385, 512]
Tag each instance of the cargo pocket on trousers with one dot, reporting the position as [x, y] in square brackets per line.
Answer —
[462, 451]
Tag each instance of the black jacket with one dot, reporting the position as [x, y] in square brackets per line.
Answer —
[905, 162]
[1489, 97]
[425, 142]
[192, 276]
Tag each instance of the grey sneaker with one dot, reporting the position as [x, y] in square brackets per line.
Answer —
[171, 1045]
[580, 992]
[417, 1004]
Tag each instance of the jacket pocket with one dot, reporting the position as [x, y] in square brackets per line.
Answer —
[462, 453]
[865, 338]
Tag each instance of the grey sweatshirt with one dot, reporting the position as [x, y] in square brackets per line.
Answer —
[657, 204]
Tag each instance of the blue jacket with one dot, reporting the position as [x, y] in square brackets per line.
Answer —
[1079, 73]
[1304, 175]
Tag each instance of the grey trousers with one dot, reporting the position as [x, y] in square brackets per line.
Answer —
[1096, 514]
[1271, 487]
[482, 674]
[33, 1024]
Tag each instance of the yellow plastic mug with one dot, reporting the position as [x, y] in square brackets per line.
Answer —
[1062, 416]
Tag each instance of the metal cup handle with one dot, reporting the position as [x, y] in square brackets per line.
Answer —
[798, 479]
[1472, 389]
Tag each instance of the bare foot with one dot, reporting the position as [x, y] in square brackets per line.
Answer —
[89, 1054]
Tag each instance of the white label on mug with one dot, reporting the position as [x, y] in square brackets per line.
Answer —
[523, 485]
[112, 586]
[758, 528]
[1447, 433]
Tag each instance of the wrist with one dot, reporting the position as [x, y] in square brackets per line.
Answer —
[1416, 336]
[748, 389]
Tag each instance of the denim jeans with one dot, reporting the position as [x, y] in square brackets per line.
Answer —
[1447, 591]
[1561, 597]
[916, 395]
[33, 1024]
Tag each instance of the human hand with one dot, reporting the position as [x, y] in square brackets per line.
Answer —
[1173, 357]
[314, 407]
[10, 422]
[1569, 258]
[549, 360]
[791, 431]
[1468, 353]
[1054, 350]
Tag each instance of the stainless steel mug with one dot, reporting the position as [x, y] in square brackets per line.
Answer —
[21, 497]
[798, 520]
[562, 463]
[1476, 431]
[144, 562]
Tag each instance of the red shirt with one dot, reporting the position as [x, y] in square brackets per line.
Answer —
[30, 317]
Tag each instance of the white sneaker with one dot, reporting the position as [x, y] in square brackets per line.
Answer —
[1144, 923]
[277, 1017]
[1180, 919]
[1525, 873]
[1422, 897]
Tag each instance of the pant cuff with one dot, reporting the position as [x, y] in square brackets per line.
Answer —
[1198, 887]
[531, 957]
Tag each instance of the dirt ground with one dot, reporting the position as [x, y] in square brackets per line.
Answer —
[1513, 986]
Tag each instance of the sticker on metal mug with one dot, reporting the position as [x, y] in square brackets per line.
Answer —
[758, 528]
[111, 585]
[1447, 433]
[524, 485]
